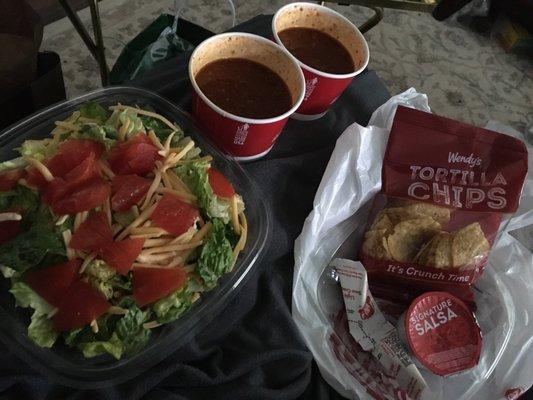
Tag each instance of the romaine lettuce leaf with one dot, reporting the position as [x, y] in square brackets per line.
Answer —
[30, 247]
[194, 175]
[26, 297]
[18, 162]
[93, 110]
[104, 134]
[105, 279]
[171, 307]
[117, 334]
[161, 130]
[119, 117]
[124, 218]
[72, 337]
[192, 153]
[112, 346]
[8, 272]
[21, 197]
[216, 257]
[130, 330]
[41, 330]
[39, 149]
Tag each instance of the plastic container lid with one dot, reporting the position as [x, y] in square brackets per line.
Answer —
[442, 333]
[67, 365]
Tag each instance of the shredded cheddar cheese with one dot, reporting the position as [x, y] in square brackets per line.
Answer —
[138, 221]
[155, 139]
[86, 262]
[123, 130]
[61, 220]
[151, 190]
[186, 197]
[67, 235]
[68, 126]
[104, 166]
[43, 169]
[10, 216]
[173, 247]
[147, 113]
[235, 216]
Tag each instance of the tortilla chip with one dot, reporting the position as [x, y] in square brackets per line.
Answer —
[382, 221]
[438, 213]
[409, 236]
[426, 255]
[443, 251]
[469, 245]
[399, 214]
[375, 245]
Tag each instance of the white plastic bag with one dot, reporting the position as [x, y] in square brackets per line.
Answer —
[504, 293]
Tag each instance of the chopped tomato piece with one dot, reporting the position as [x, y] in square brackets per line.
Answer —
[93, 234]
[128, 190]
[135, 156]
[84, 198]
[80, 305]
[220, 185]
[52, 283]
[173, 215]
[8, 230]
[71, 159]
[54, 191]
[84, 171]
[75, 150]
[58, 166]
[9, 179]
[121, 255]
[35, 178]
[151, 284]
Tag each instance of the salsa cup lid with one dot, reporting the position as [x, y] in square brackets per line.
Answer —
[442, 333]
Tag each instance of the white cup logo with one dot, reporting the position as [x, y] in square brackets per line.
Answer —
[241, 134]
[310, 86]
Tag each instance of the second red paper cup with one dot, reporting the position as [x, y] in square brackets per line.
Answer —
[321, 88]
[244, 137]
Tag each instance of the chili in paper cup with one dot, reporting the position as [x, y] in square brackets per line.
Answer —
[442, 333]
[243, 138]
[322, 88]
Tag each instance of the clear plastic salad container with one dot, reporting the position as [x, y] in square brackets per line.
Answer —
[66, 365]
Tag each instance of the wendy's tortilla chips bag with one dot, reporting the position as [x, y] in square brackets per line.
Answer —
[445, 187]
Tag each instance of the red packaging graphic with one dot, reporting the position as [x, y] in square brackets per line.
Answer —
[445, 187]
[442, 333]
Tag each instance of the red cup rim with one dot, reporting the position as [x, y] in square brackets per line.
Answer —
[332, 12]
[227, 114]
[458, 302]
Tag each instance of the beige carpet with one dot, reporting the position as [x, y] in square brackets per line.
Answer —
[466, 76]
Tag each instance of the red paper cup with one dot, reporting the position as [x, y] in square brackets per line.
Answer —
[244, 138]
[322, 88]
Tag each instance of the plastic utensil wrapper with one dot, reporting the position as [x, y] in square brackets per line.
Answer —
[372, 331]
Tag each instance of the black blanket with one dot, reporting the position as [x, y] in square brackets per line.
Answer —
[252, 350]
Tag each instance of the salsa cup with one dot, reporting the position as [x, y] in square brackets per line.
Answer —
[322, 88]
[244, 138]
